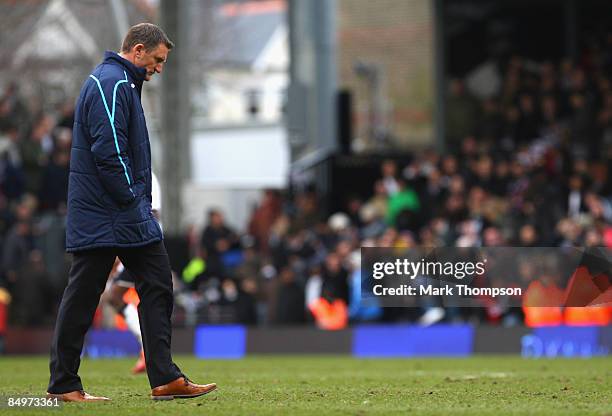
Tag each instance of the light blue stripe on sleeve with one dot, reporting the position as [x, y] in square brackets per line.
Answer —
[111, 118]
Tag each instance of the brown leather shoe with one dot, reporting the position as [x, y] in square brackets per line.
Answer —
[76, 396]
[182, 388]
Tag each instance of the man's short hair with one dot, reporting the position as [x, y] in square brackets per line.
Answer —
[148, 34]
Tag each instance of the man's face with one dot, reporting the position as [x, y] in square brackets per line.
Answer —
[153, 60]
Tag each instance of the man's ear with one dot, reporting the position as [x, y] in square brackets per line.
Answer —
[139, 49]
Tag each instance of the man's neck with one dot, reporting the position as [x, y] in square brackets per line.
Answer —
[127, 57]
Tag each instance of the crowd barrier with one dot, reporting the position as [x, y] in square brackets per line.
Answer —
[366, 341]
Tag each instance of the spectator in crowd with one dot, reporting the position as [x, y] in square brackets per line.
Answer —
[30, 291]
[290, 308]
[53, 192]
[403, 206]
[246, 303]
[16, 249]
[335, 279]
[217, 240]
[389, 177]
[263, 217]
[34, 151]
[13, 110]
[462, 112]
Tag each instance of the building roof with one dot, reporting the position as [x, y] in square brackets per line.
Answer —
[243, 30]
[51, 30]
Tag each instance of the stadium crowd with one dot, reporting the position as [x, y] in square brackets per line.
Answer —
[529, 166]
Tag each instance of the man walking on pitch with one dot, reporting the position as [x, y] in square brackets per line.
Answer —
[109, 215]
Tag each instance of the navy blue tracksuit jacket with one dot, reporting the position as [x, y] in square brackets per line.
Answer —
[109, 190]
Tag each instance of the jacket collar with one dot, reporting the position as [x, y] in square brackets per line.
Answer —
[137, 74]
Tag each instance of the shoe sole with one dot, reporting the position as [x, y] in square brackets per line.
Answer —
[182, 396]
[61, 399]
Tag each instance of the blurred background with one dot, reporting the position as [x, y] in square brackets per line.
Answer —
[287, 134]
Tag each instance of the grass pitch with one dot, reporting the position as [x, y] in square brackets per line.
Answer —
[296, 385]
